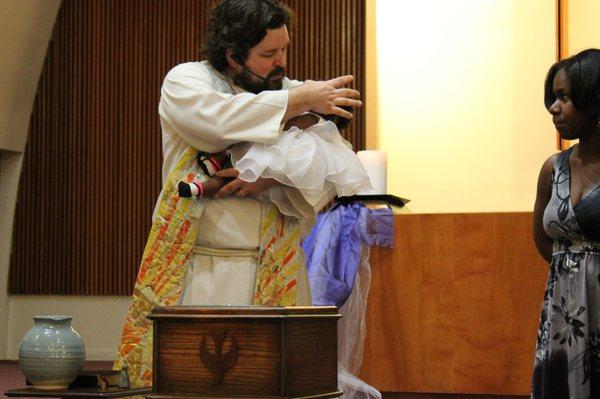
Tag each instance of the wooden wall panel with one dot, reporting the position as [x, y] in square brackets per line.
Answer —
[91, 171]
[454, 306]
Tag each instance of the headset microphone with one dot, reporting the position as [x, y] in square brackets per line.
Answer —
[237, 58]
[264, 80]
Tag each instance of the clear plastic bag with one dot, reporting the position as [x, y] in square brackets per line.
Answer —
[351, 335]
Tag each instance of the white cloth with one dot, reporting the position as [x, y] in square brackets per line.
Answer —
[203, 108]
[311, 160]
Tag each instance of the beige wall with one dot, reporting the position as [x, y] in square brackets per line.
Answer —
[99, 321]
[10, 170]
[371, 95]
[25, 29]
[459, 101]
[583, 28]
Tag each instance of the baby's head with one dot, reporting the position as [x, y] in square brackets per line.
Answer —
[340, 121]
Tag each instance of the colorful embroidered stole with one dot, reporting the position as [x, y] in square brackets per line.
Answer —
[165, 264]
[279, 260]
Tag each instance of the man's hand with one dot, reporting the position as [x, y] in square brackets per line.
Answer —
[324, 97]
[241, 188]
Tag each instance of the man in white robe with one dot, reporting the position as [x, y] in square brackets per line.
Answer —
[240, 94]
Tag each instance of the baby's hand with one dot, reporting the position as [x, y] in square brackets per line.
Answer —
[198, 189]
[241, 188]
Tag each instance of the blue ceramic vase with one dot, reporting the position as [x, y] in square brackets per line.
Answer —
[51, 353]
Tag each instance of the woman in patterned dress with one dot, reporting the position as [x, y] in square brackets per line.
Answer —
[566, 230]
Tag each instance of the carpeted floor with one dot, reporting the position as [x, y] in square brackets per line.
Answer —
[10, 376]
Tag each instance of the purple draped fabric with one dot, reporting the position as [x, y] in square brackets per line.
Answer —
[333, 248]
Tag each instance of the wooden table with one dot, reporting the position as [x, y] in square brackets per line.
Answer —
[110, 392]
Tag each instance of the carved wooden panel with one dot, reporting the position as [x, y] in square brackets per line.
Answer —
[245, 352]
[91, 171]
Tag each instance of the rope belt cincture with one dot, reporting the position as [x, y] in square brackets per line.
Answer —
[226, 252]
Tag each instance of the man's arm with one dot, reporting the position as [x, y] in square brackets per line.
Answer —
[192, 107]
[211, 121]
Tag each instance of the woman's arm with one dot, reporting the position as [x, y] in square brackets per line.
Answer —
[543, 243]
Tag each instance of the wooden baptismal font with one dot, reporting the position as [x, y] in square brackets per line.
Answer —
[245, 352]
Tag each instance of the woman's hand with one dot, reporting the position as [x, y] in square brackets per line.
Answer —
[241, 188]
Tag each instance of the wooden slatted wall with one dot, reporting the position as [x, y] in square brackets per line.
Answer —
[91, 172]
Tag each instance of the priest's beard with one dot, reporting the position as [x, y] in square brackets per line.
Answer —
[253, 84]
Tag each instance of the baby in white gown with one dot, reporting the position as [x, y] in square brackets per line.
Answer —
[307, 158]
[310, 155]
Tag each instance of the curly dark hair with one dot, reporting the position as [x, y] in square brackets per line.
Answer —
[239, 25]
[583, 73]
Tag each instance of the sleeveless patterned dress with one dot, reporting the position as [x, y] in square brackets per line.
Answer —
[567, 360]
